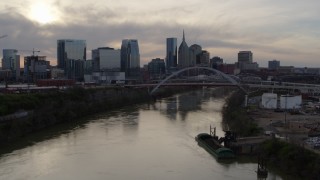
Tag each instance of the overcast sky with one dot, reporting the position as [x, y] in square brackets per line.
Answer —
[286, 30]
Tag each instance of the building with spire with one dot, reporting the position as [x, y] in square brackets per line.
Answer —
[183, 54]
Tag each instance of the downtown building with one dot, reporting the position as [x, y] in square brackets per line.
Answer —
[156, 68]
[171, 55]
[11, 64]
[273, 65]
[198, 57]
[71, 55]
[183, 54]
[130, 58]
[106, 59]
[245, 61]
[106, 66]
[194, 56]
[36, 68]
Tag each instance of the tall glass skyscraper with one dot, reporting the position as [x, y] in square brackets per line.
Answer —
[71, 56]
[70, 49]
[171, 57]
[11, 61]
[130, 57]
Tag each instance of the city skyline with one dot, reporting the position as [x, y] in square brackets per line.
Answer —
[270, 29]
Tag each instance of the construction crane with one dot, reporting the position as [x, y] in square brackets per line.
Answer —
[33, 51]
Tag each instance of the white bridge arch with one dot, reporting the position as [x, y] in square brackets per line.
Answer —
[234, 82]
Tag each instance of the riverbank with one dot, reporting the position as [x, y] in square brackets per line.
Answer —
[292, 160]
[45, 110]
[235, 117]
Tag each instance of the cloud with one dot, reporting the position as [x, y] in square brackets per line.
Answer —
[271, 29]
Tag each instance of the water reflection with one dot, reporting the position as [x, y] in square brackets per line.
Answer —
[148, 141]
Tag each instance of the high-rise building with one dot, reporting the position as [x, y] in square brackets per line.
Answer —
[183, 54]
[194, 56]
[156, 68]
[245, 56]
[274, 64]
[74, 69]
[88, 66]
[106, 59]
[130, 57]
[11, 61]
[245, 60]
[204, 57]
[71, 56]
[70, 49]
[171, 57]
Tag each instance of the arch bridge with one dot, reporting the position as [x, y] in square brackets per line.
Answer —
[223, 75]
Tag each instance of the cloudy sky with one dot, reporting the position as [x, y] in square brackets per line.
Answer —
[286, 30]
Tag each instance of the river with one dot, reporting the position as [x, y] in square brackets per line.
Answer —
[141, 142]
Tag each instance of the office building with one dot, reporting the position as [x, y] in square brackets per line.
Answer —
[71, 56]
[194, 56]
[88, 66]
[204, 57]
[74, 69]
[106, 59]
[245, 60]
[70, 49]
[171, 57]
[183, 54]
[130, 58]
[156, 68]
[245, 56]
[11, 61]
[274, 64]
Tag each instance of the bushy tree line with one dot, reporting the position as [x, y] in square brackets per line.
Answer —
[235, 116]
[292, 159]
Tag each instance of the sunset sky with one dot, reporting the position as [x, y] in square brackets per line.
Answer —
[286, 30]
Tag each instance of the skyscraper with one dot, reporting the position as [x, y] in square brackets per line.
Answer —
[183, 54]
[245, 57]
[70, 49]
[194, 56]
[245, 60]
[130, 57]
[106, 59]
[171, 57]
[11, 61]
[71, 56]
[156, 68]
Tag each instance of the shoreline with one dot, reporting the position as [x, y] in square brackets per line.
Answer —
[290, 157]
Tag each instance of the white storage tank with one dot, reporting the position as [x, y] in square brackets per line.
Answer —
[269, 101]
[290, 102]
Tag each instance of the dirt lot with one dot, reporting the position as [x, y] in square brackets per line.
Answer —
[285, 124]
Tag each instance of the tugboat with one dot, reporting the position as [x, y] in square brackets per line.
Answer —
[212, 144]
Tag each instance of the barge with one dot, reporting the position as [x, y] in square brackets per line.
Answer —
[211, 144]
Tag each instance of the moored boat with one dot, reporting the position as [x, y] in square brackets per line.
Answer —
[262, 171]
[211, 144]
